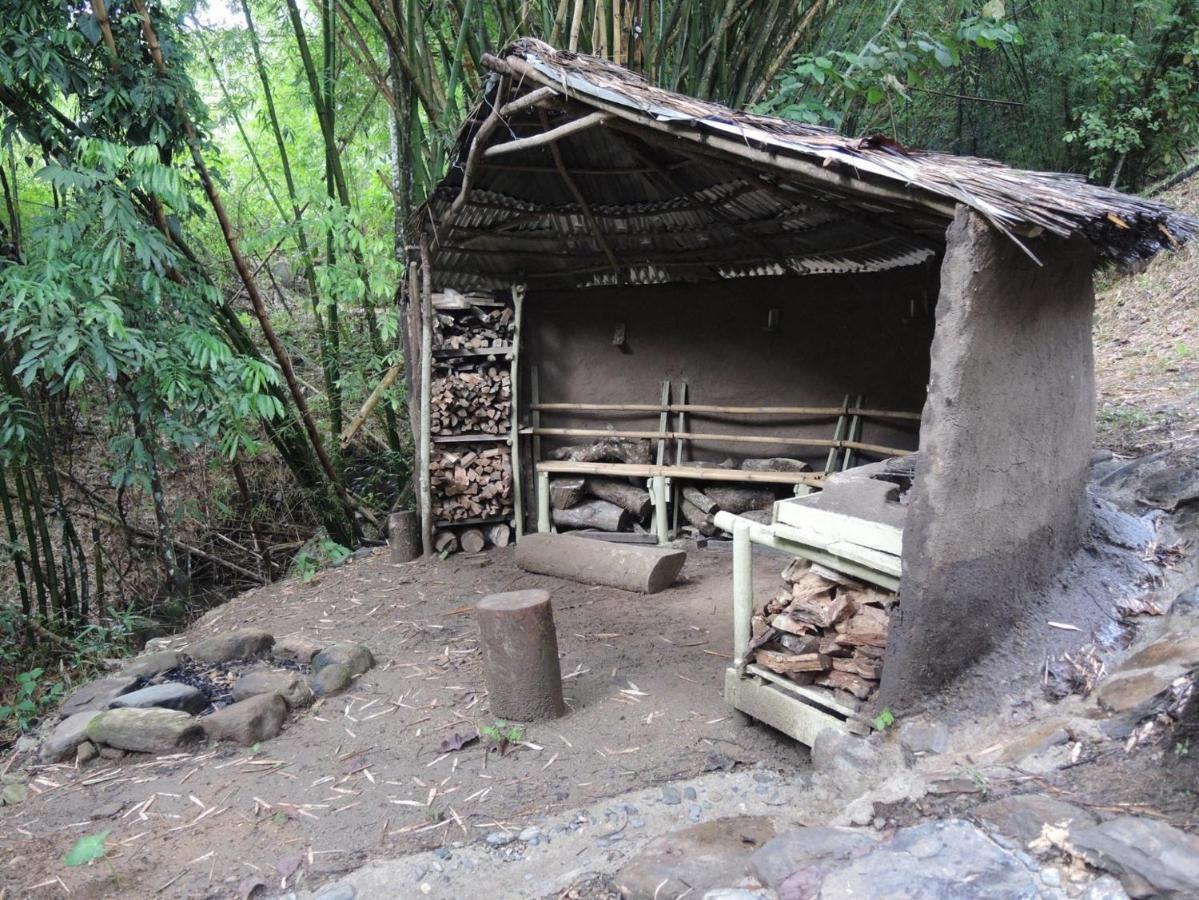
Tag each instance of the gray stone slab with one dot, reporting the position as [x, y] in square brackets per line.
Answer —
[69, 734]
[144, 730]
[1151, 858]
[171, 695]
[98, 694]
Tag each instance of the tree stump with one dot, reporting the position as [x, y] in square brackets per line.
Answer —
[520, 655]
[403, 536]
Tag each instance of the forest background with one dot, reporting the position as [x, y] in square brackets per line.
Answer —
[201, 240]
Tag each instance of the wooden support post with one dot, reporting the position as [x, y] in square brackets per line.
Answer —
[426, 395]
[535, 417]
[659, 493]
[520, 656]
[543, 502]
[855, 432]
[743, 594]
[678, 456]
[518, 500]
[830, 465]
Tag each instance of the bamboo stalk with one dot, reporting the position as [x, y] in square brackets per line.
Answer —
[726, 438]
[732, 410]
[371, 402]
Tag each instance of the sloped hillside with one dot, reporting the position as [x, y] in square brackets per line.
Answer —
[1147, 349]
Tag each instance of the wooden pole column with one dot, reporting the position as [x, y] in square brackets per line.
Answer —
[403, 536]
[520, 655]
[659, 493]
[426, 396]
[743, 593]
[543, 502]
[518, 500]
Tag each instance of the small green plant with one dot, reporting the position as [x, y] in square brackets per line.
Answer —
[315, 557]
[502, 734]
[32, 697]
[883, 720]
[90, 848]
[1182, 748]
[979, 779]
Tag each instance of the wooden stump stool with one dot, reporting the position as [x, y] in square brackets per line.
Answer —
[520, 655]
[403, 536]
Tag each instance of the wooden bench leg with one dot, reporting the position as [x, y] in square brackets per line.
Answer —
[543, 502]
[743, 594]
[661, 525]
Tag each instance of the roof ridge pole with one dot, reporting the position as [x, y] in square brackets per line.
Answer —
[584, 207]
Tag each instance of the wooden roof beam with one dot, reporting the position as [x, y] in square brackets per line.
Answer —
[551, 136]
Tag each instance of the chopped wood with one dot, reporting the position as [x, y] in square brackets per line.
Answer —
[472, 540]
[846, 681]
[821, 610]
[697, 518]
[592, 514]
[796, 569]
[867, 668]
[472, 402]
[471, 484]
[632, 499]
[775, 464]
[740, 499]
[445, 542]
[618, 450]
[785, 623]
[500, 535]
[699, 500]
[867, 627]
[566, 492]
[785, 663]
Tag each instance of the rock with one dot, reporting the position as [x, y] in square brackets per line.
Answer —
[248, 721]
[67, 736]
[340, 891]
[1185, 606]
[354, 657]
[805, 847]
[1034, 740]
[1170, 649]
[838, 752]
[734, 894]
[240, 644]
[1050, 877]
[1129, 690]
[13, 793]
[296, 647]
[528, 834]
[98, 694]
[171, 695]
[922, 737]
[288, 685]
[85, 753]
[1170, 488]
[954, 784]
[700, 858]
[110, 752]
[500, 838]
[1151, 858]
[1020, 818]
[107, 811]
[144, 730]
[152, 664]
[671, 796]
[694, 812]
[330, 680]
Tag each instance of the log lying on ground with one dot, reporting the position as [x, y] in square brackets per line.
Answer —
[499, 535]
[445, 542]
[645, 570]
[472, 540]
[621, 450]
[699, 500]
[634, 500]
[697, 518]
[740, 499]
[592, 514]
[566, 492]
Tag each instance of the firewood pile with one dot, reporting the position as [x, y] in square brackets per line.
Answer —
[474, 483]
[472, 402]
[598, 502]
[824, 629]
[474, 328]
[699, 503]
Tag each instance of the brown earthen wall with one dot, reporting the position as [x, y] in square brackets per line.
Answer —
[837, 335]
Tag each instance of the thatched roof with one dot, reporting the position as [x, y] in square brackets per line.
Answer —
[644, 185]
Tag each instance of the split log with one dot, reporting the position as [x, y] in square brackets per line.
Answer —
[403, 536]
[520, 655]
[740, 499]
[698, 518]
[645, 570]
[445, 542]
[472, 540]
[785, 623]
[794, 643]
[775, 464]
[635, 500]
[699, 500]
[821, 611]
[566, 492]
[619, 450]
[868, 627]
[863, 666]
[499, 535]
[845, 681]
[471, 484]
[592, 514]
[785, 663]
[471, 402]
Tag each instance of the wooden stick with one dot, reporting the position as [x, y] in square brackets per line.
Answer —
[698, 473]
[548, 137]
[518, 299]
[730, 410]
[426, 395]
[729, 438]
[371, 402]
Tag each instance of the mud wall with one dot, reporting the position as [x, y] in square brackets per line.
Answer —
[836, 335]
[999, 499]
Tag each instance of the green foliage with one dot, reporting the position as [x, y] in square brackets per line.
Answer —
[88, 849]
[33, 696]
[318, 555]
[883, 720]
[502, 734]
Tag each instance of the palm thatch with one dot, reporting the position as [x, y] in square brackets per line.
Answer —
[608, 180]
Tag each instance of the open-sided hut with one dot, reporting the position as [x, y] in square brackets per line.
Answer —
[618, 258]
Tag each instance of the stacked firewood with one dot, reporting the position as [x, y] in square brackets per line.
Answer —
[474, 328]
[471, 484]
[597, 502]
[700, 502]
[471, 402]
[824, 629]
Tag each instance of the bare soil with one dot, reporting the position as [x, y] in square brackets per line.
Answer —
[363, 775]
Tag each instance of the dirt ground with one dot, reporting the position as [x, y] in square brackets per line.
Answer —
[361, 775]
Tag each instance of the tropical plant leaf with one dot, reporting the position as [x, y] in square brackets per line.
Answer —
[88, 849]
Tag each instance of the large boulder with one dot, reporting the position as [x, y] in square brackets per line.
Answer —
[70, 733]
[249, 721]
[1021, 817]
[331, 679]
[355, 657]
[171, 695]
[241, 644]
[152, 664]
[1151, 858]
[98, 694]
[144, 730]
[296, 647]
[288, 685]
[802, 848]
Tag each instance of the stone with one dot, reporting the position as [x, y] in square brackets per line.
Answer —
[1170, 649]
[355, 657]
[1130, 690]
[85, 753]
[110, 752]
[291, 687]
[339, 891]
[840, 753]
[98, 694]
[671, 796]
[500, 838]
[1050, 877]
[144, 730]
[734, 894]
[1021, 817]
[1170, 488]
[1150, 857]
[822, 847]
[241, 644]
[171, 695]
[529, 834]
[1185, 606]
[107, 811]
[248, 721]
[330, 680]
[701, 858]
[1036, 739]
[67, 736]
[13, 793]
[694, 812]
[924, 738]
[296, 647]
[151, 664]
